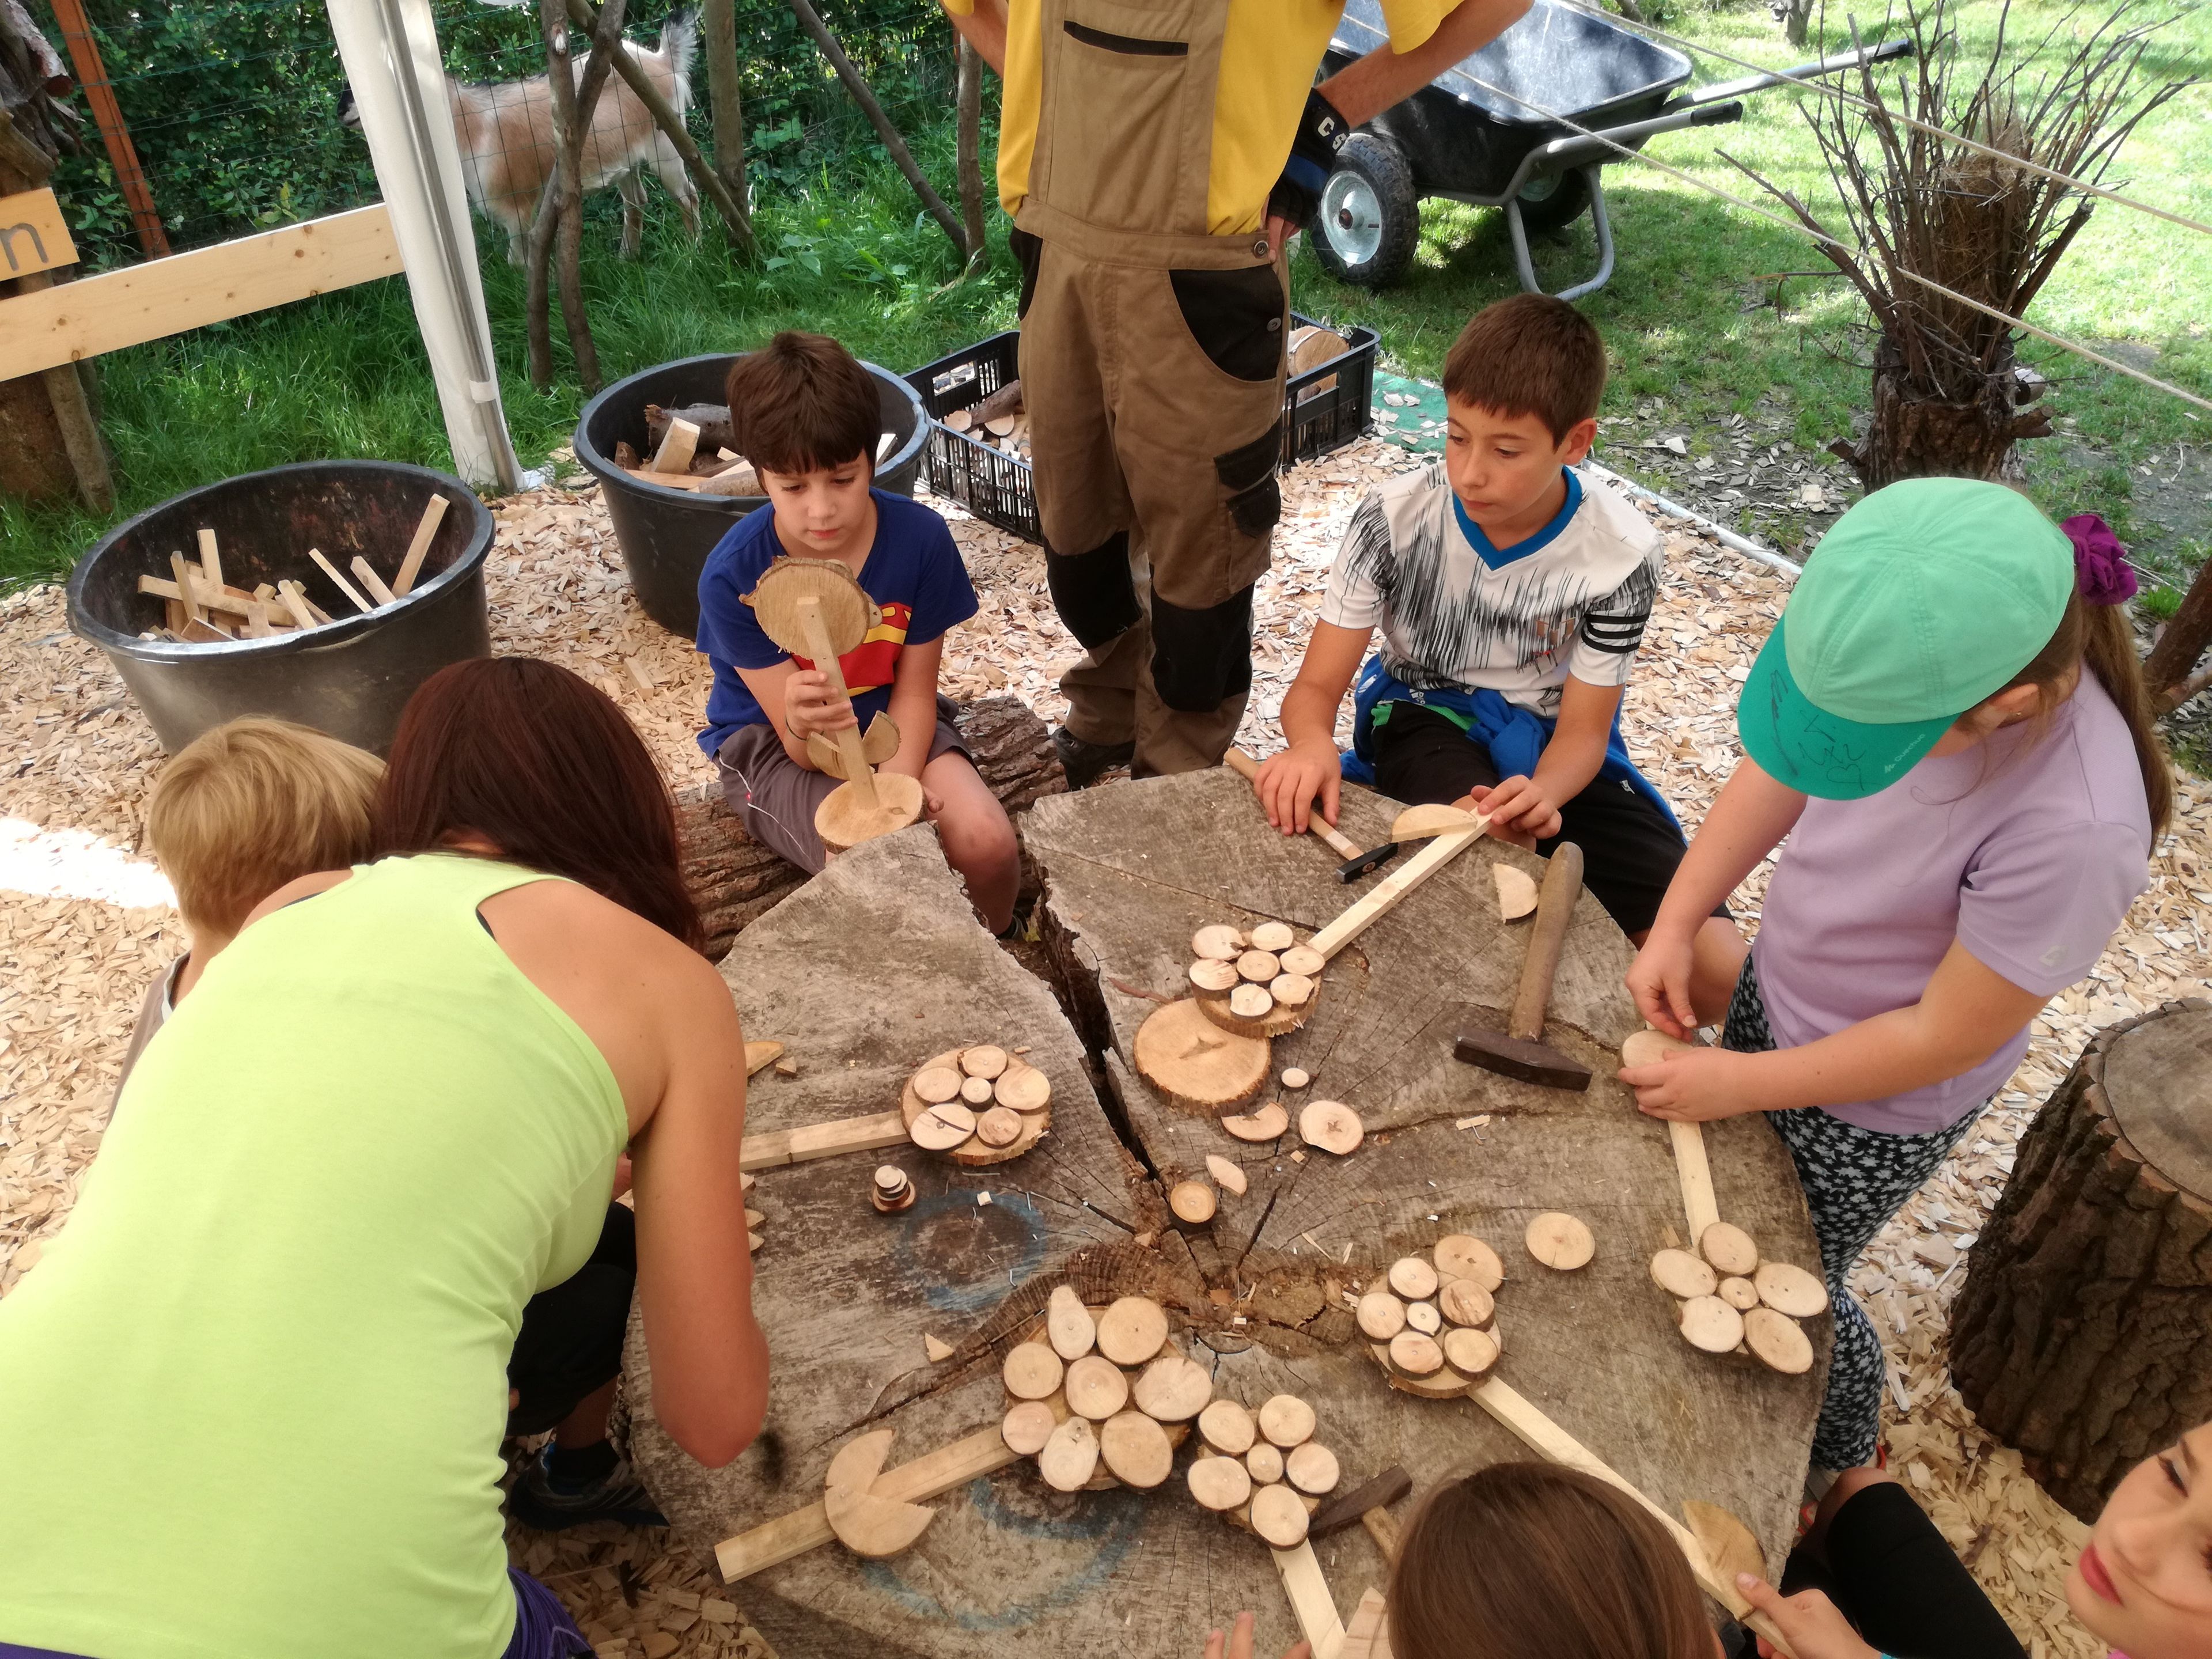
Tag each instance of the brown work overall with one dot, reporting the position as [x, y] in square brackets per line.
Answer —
[1152, 362]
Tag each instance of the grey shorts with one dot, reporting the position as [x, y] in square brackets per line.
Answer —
[775, 796]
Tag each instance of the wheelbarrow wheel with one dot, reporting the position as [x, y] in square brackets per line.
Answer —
[1548, 203]
[1370, 218]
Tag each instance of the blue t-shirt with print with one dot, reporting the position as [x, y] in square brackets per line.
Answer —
[913, 573]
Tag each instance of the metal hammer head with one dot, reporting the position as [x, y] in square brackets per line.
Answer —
[1512, 1056]
[1352, 869]
[1384, 1489]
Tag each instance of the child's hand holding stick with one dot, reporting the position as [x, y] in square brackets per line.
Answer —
[809, 707]
[1291, 778]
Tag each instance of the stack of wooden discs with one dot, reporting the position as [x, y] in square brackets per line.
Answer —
[1263, 1470]
[1732, 1303]
[1433, 1326]
[1099, 1396]
[977, 1106]
[1259, 984]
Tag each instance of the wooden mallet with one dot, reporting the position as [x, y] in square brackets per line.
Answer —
[1519, 1051]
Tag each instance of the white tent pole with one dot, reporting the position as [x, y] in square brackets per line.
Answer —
[390, 50]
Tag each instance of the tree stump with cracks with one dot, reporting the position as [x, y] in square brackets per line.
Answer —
[2083, 1333]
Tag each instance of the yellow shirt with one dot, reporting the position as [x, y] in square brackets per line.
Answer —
[1269, 52]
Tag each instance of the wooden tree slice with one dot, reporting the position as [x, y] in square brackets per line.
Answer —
[1068, 1325]
[1710, 1324]
[1312, 1467]
[1424, 1317]
[1332, 1125]
[1778, 1340]
[1192, 1202]
[877, 744]
[1199, 1067]
[1286, 1421]
[1070, 1456]
[1790, 1290]
[1516, 891]
[1137, 1450]
[1463, 1256]
[1415, 1354]
[1096, 1388]
[1291, 990]
[974, 1152]
[936, 1084]
[1560, 1241]
[1412, 1277]
[1132, 1330]
[1470, 1352]
[940, 1128]
[1218, 943]
[1304, 960]
[1031, 1371]
[1228, 1428]
[999, 1127]
[1173, 1389]
[976, 1090]
[985, 1059]
[1381, 1316]
[1739, 1293]
[847, 613]
[1275, 1019]
[1729, 1249]
[1726, 1542]
[1647, 1048]
[1463, 1302]
[1220, 1483]
[1023, 1088]
[1258, 966]
[865, 1524]
[1027, 1425]
[1228, 1176]
[1264, 1462]
[1442, 1383]
[1681, 1274]
[846, 817]
[1273, 936]
[1418, 823]
[1278, 1517]
[1251, 1002]
[1212, 974]
[1266, 1124]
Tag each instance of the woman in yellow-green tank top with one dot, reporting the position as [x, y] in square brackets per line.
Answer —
[254, 1392]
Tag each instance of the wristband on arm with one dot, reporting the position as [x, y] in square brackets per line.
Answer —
[1321, 132]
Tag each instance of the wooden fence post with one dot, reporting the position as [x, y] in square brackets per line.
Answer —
[122, 154]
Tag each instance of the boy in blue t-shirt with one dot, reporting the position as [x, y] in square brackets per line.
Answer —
[803, 412]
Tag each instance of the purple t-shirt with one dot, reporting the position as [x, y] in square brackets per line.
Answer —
[2026, 853]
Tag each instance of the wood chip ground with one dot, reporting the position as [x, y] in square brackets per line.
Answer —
[85, 922]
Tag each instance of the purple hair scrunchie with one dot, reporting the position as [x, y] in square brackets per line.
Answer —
[2101, 571]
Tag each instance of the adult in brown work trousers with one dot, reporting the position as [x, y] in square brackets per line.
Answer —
[1154, 154]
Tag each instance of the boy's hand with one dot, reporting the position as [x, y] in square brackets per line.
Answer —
[1809, 1620]
[1290, 779]
[809, 705]
[1523, 806]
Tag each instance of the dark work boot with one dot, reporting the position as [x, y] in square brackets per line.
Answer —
[1084, 760]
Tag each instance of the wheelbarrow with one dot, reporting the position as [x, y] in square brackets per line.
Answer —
[1468, 136]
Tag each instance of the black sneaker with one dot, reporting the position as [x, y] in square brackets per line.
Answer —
[538, 1500]
[1084, 760]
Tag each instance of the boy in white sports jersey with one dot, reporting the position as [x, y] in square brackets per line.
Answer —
[1512, 596]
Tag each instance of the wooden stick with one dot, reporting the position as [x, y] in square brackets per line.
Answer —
[847, 1134]
[185, 590]
[257, 622]
[933, 1475]
[1342, 845]
[372, 581]
[344, 586]
[211, 560]
[858, 773]
[1425, 863]
[1310, 1602]
[221, 599]
[434, 514]
[1696, 1175]
[288, 592]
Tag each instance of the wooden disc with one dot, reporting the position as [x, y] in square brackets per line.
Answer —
[1264, 1462]
[1132, 1330]
[1173, 1389]
[1027, 1425]
[940, 1128]
[1380, 1314]
[1424, 1317]
[1463, 1256]
[1220, 1483]
[976, 1090]
[999, 1127]
[845, 819]
[1516, 891]
[984, 1059]
[1729, 1249]
[1647, 1048]
[1442, 1383]
[975, 1153]
[1778, 1340]
[847, 613]
[1463, 1302]
[1276, 1020]
[1291, 990]
[1070, 1456]
[1250, 1002]
[1431, 818]
[1218, 943]
[865, 1524]
[1286, 1421]
[1031, 1371]
[1137, 1450]
[890, 1180]
[1332, 1125]
[1258, 966]
[1230, 1177]
[1560, 1241]
[937, 1084]
[1710, 1324]
[1278, 1517]
[1199, 1067]
[1469, 1351]
[1729, 1545]
[1739, 1293]
[1228, 1428]
[1311, 1467]
[1302, 959]
[1412, 1277]
[1068, 1325]
[1023, 1088]
[1266, 1124]
[1192, 1201]
[1212, 974]
[1680, 1273]
[1273, 936]
[1415, 1354]
[1791, 1290]
[1096, 1388]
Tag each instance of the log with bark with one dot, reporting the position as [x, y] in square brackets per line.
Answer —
[2083, 1333]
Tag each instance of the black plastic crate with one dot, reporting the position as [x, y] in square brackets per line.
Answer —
[1323, 408]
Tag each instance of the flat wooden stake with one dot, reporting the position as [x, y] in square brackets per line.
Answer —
[211, 560]
[372, 581]
[1379, 904]
[1315, 1608]
[295, 602]
[185, 590]
[849, 1134]
[343, 585]
[1696, 1176]
[858, 773]
[434, 514]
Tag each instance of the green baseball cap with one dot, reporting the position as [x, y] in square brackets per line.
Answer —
[1927, 597]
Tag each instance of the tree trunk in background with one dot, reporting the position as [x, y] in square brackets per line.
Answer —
[568, 167]
[971, 151]
[1797, 21]
[725, 97]
[553, 217]
[1913, 436]
[2169, 669]
[2083, 1333]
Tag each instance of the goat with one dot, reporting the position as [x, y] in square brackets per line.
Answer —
[505, 129]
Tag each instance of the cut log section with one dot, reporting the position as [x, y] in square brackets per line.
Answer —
[1264, 1462]
[1217, 943]
[1739, 1293]
[1683, 1275]
[1463, 1302]
[1412, 1277]
[846, 817]
[1258, 966]
[985, 1059]
[999, 1127]
[1516, 891]
[1032, 1372]
[1023, 1088]
[935, 1084]
[1273, 936]
[1279, 1516]
[1710, 1324]
[1228, 1428]
[1268, 1123]
[1332, 1125]
[1213, 974]
[932, 1125]
[1070, 1456]
[1729, 1250]
[1560, 1241]
[1416, 1355]
[1192, 1202]
[1219, 1484]
[1096, 1388]
[865, 1524]
[1137, 1450]
[1291, 990]
[1027, 1425]
[1286, 1421]
[1197, 1065]
[1381, 1316]
[1463, 1256]
[1250, 1002]
[1068, 1325]
[1778, 1340]
[1789, 1289]
[1307, 962]
[1470, 1352]
[1132, 1330]
[1173, 1388]
[976, 1090]
[1311, 1467]
[1227, 1175]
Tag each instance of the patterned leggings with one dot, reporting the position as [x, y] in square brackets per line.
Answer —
[1855, 1181]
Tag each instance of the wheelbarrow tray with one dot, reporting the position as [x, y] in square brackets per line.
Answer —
[1462, 139]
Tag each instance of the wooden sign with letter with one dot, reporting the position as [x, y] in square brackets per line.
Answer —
[33, 236]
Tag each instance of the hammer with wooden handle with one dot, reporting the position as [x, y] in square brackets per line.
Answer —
[1356, 862]
[1370, 1505]
[1519, 1051]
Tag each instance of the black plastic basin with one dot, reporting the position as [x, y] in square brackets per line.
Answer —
[349, 678]
[667, 534]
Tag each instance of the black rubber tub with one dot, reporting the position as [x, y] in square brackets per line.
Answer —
[349, 678]
[667, 534]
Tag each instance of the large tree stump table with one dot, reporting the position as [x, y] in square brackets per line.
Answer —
[2083, 1333]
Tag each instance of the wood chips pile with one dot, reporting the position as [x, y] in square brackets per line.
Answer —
[85, 923]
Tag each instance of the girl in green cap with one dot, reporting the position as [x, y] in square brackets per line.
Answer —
[1950, 725]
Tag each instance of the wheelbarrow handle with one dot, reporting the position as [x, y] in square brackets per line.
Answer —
[1563, 155]
[1819, 66]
